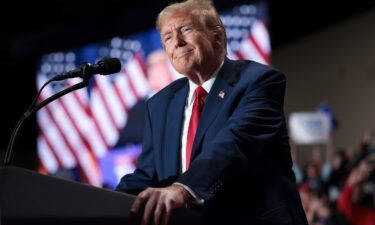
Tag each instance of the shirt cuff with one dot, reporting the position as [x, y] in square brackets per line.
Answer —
[197, 200]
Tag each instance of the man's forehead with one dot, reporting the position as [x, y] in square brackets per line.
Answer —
[175, 20]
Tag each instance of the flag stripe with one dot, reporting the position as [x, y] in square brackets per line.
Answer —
[67, 136]
[62, 113]
[125, 102]
[90, 117]
[112, 101]
[249, 51]
[126, 90]
[137, 78]
[139, 59]
[263, 57]
[106, 106]
[83, 125]
[72, 139]
[100, 114]
[47, 157]
[122, 101]
[59, 146]
[257, 38]
[133, 88]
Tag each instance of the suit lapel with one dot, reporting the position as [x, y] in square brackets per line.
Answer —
[173, 131]
[215, 99]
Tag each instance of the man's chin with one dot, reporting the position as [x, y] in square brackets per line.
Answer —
[183, 67]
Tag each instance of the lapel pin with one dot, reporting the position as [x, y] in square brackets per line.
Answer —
[221, 94]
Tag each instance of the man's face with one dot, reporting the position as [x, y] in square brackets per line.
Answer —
[189, 46]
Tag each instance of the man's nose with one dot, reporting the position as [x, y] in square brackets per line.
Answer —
[179, 40]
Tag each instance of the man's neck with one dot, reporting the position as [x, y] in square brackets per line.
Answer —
[199, 77]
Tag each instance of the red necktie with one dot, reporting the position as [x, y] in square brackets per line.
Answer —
[200, 95]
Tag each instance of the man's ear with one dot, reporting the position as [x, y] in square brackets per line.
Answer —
[219, 35]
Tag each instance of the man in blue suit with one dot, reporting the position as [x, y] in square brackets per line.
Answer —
[236, 165]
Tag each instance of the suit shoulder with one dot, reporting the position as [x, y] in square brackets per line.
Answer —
[259, 68]
[256, 73]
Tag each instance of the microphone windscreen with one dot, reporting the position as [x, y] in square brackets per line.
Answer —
[109, 65]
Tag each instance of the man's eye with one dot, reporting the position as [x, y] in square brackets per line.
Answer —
[166, 39]
[185, 29]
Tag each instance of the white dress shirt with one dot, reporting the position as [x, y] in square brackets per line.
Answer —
[207, 85]
[187, 115]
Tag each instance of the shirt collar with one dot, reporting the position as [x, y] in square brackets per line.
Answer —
[207, 85]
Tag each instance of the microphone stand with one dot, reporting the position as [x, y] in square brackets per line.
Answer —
[10, 149]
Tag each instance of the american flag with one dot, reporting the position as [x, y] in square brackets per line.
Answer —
[247, 32]
[80, 128]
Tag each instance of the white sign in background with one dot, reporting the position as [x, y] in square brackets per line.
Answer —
[309, 127]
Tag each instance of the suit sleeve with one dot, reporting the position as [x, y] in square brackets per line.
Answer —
[239, 147]
[144, 175]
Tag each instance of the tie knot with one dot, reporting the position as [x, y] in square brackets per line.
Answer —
[200, 92]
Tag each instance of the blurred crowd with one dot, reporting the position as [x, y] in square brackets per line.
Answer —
[337, 186]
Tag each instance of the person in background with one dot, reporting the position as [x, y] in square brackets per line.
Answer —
[159, 75]
[216, 139]
[357, 199]
[297, 169]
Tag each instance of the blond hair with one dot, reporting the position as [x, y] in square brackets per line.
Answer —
[203, 9]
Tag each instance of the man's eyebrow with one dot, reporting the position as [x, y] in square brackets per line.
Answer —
[178, 27]
[165, 33]
[185, 24]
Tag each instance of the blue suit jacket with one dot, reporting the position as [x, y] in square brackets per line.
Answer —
[241, 163]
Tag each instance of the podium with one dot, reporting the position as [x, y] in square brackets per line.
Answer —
[27, 197]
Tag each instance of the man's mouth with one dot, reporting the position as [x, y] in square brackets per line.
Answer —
[183, 53]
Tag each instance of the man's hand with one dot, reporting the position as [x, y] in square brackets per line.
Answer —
[160, 202]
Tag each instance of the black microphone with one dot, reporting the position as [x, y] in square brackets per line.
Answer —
[87, 70]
